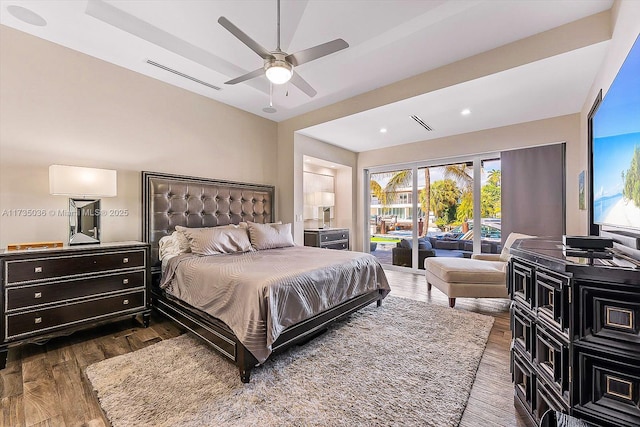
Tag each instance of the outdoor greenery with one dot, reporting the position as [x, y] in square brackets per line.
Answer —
[444, 200]
[631, 178]
[450, 199]
[385, 239]
[490, 205]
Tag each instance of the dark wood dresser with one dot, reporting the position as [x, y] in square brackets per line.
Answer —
[327, 238]
[51, 292]
[576, 334]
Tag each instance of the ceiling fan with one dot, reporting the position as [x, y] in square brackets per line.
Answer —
[278, 65]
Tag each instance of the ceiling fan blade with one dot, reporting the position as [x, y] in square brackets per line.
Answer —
[316, 52]
[302, 84]
[255, 73]
[253, 45]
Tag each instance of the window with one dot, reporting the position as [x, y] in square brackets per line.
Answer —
[443, 197]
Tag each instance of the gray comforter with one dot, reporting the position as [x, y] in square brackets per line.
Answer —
[259, 294]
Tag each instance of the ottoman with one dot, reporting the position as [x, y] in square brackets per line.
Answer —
[467, 278]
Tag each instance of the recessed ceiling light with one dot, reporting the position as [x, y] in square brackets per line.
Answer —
[25, 15]
[383, 130]
[269, 110]
[465, 112]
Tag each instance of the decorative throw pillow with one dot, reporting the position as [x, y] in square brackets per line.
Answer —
[424, 243]
[168, 246]
[270, 236]
[181, 239]
[217, 240]
[405, 244]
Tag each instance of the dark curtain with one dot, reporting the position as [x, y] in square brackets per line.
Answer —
[533, 191]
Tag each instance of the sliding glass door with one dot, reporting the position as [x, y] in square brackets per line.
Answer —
[391, 212]
[428, 210]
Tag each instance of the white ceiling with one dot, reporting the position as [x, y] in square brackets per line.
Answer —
[389, 40]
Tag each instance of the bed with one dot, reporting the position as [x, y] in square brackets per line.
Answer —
[298, 291]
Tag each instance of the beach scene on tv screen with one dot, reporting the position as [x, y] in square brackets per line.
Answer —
[617, 180]
[616, 148]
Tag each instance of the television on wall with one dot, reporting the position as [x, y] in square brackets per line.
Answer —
[615, 154]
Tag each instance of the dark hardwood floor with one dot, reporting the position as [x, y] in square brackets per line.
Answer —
[45, 385]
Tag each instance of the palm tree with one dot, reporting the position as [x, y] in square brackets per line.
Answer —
[445, 194]
[495, 177]
[461, 173]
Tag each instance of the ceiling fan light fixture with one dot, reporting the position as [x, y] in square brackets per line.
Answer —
[278, 71]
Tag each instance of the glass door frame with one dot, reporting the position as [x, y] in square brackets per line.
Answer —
[476, 159]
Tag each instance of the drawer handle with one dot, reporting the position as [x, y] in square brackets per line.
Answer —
[37, 320]
[125, 302]
[38, 270]
[125, 281]
[619, 317]
[619, 387]
[125, 260]
[37, 295]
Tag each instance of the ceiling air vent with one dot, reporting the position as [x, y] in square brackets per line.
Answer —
[178, 73]
[421, 123]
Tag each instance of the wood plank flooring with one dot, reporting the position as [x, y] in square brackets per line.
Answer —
[45, 385]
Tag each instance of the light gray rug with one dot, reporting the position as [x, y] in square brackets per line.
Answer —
[405, 363]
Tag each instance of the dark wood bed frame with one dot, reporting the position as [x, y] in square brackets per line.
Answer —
[170, 200]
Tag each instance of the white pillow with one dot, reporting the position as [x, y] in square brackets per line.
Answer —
[182, 240]
[168, 246]
[505, 255]
[270, 236]
[217, 240]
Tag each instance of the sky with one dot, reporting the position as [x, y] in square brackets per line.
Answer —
[616, 127]
[619, 112]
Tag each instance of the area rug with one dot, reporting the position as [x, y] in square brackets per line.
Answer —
[405, 363]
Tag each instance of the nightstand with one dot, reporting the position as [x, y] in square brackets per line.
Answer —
[52, 292]
[327, 238]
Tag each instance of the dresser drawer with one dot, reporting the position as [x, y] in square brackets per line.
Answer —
[523, 331]
[46, 268]
[335, 245]
[552, 361]
[524, 380]
[38, 321]
[608, 387]
[609, 315]
[522, 283]
[330, 236]
[552, 293]
[547, 398]
[35, 295]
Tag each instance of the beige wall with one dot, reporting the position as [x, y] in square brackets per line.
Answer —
[306, 146]
[58, 106]
[541, 132]
[581, 33]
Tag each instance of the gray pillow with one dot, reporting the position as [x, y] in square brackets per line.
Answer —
[270, 236]
[405, 244]
[424, 243]
[217, 240]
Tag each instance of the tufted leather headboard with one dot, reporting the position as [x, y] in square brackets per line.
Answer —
[170, 200]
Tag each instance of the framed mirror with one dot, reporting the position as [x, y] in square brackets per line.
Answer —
[84, 221]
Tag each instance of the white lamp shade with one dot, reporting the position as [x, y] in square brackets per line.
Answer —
[278, 75]
[323, 198]
[84, 182]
